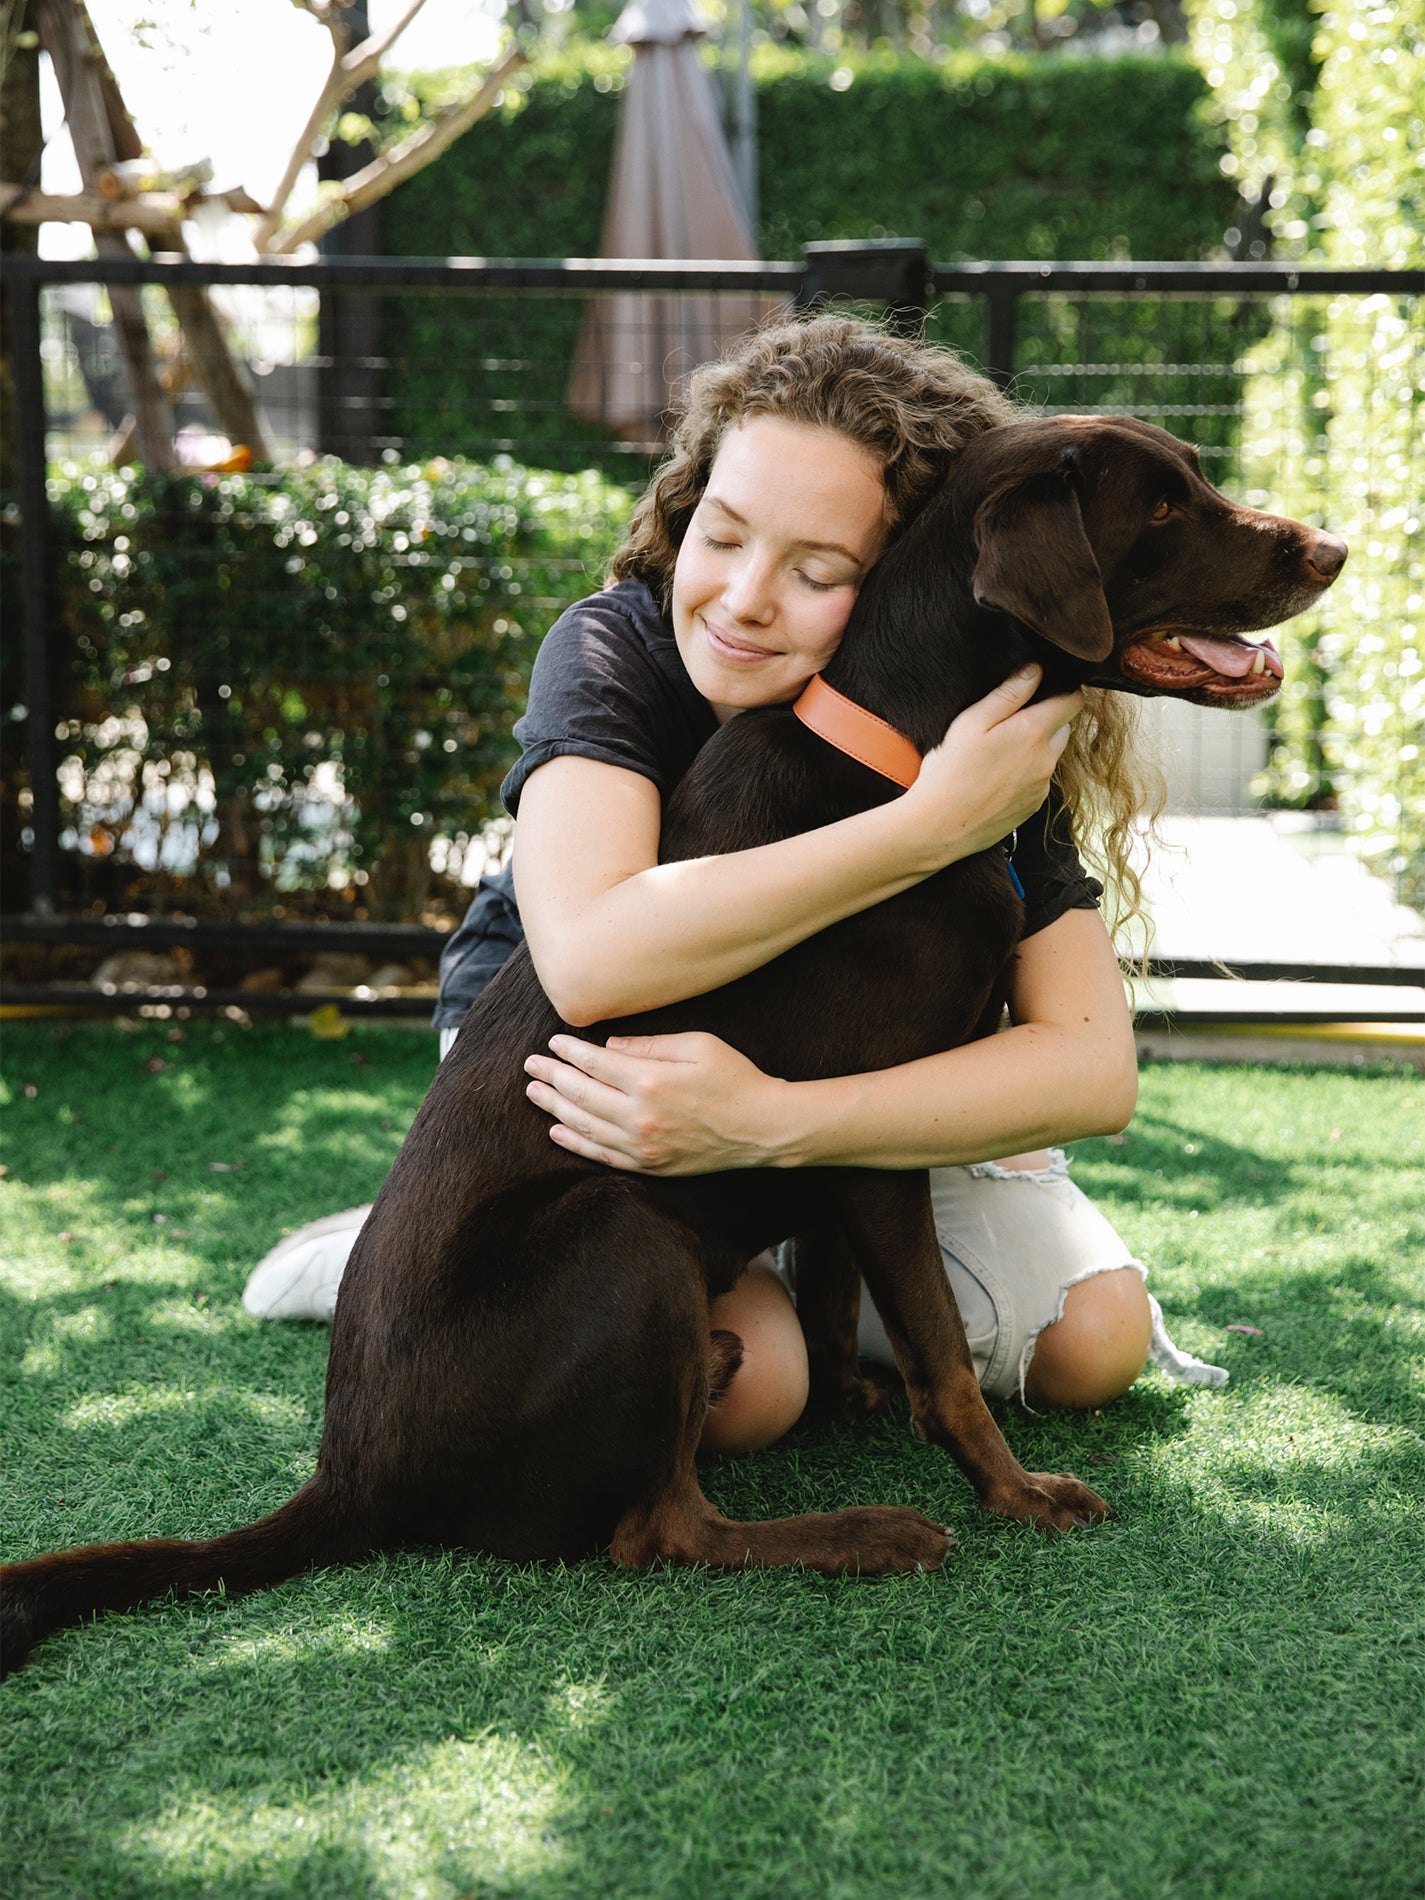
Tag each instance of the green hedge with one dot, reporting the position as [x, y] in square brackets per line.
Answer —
[285, 685]
[980, 157]
[1010, 157]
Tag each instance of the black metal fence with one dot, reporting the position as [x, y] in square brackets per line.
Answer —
[482, 359]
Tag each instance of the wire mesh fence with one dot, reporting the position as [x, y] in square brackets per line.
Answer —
[287, 691]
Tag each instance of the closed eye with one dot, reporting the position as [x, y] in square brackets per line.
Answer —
[721, 546]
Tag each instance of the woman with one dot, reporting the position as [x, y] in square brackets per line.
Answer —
[795, 462]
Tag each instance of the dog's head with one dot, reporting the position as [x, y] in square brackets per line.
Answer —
[1103, 537]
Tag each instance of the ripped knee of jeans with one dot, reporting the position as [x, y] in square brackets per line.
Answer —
[1057, 1170]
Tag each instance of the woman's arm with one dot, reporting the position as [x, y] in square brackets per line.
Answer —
[613, 932]
[691, 1105]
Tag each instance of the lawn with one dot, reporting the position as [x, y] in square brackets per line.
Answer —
[1213, 1694]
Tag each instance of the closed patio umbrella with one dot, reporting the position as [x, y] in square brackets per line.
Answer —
[672, 195]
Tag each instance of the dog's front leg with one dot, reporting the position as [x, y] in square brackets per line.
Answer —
[893, 1233]
[827, 1278]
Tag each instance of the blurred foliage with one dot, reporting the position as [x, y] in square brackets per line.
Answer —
[1012, 157]
[1334, 402]
[306, 683]
[927, 28]
[1005, 156]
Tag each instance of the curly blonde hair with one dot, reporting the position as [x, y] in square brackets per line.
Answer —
[912, 406]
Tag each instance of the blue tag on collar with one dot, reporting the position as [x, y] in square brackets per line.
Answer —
[1014, 877]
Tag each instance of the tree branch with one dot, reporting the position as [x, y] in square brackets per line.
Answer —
[382, 175]
[153, 215]
[350, 70]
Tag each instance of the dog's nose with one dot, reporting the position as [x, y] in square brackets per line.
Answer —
[1327, 555]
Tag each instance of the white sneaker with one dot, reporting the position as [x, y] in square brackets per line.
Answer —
[300, 1277]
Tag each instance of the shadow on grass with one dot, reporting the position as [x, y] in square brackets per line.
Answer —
[458, 1725]
[272, 1108]
[509, 1729]
[1354, 1334]
[1167, 1164]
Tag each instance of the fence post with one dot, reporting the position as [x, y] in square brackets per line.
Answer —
[890, 271]
[1001, 323]
[349, 350]
[28, 370]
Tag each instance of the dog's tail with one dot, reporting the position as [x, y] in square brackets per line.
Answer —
[70, 1586]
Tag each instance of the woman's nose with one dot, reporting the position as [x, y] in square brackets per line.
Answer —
[749, 593]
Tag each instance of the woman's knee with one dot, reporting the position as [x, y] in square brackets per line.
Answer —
[768, 1393]
[1098, 1346]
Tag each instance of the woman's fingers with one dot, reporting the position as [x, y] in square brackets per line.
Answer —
[684, 1104]
[688, 1046]
[617, 1061]
[1058, 712]
[1010, 700]
[1009, 695]
[993, 769]
[575, 1087]
[600, 1101]
[581, 1132]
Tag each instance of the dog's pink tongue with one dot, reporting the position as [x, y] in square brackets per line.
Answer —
[1230, 657]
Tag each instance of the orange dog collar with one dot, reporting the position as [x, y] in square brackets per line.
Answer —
[856, 732]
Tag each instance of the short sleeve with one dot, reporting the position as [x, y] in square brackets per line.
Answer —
[609, 684]
[1049, 868]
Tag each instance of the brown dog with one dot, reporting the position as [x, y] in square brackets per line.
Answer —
[520, 1358]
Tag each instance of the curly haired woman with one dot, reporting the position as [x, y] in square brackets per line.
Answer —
[796, 459]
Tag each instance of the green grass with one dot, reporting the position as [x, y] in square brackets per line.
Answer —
[1213, 1694]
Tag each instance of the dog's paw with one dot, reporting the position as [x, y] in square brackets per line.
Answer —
[1054, 1501]
[884, 1539]
[850, 1399]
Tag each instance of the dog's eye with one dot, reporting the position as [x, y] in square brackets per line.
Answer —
[1162, 511]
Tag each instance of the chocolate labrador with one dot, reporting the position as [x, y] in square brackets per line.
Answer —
[520, 1357]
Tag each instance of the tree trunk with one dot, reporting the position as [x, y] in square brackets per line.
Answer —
[23, 142]
[237, 413]
[103, 132]
[23, 139]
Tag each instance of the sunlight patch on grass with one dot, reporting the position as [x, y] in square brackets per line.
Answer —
[448, 1820]
[34, 1278]
[347, 1635]
[1310, 1421]
[579, 1705]
[87, 1323]
[183, 1316]
[1291, 1460]
[119, 1410]
[1156, 1708]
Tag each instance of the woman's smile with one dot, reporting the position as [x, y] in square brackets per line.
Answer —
[730, 645]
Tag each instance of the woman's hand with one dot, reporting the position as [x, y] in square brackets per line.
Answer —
[991, 772]
[686, 1104]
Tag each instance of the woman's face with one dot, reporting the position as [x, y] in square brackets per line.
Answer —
[790, 521]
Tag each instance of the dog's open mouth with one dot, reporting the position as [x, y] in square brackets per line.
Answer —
[1213, 668]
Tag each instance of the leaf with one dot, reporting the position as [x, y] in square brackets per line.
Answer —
[328, 1024]
[1255, 1331]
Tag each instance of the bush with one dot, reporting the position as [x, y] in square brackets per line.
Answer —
[1350, 383]
[1011, 157]
[980, 157]
[307, 682]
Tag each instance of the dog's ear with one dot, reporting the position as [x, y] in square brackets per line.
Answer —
[1035, 562]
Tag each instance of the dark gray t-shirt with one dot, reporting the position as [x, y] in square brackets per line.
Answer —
[610, 684]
